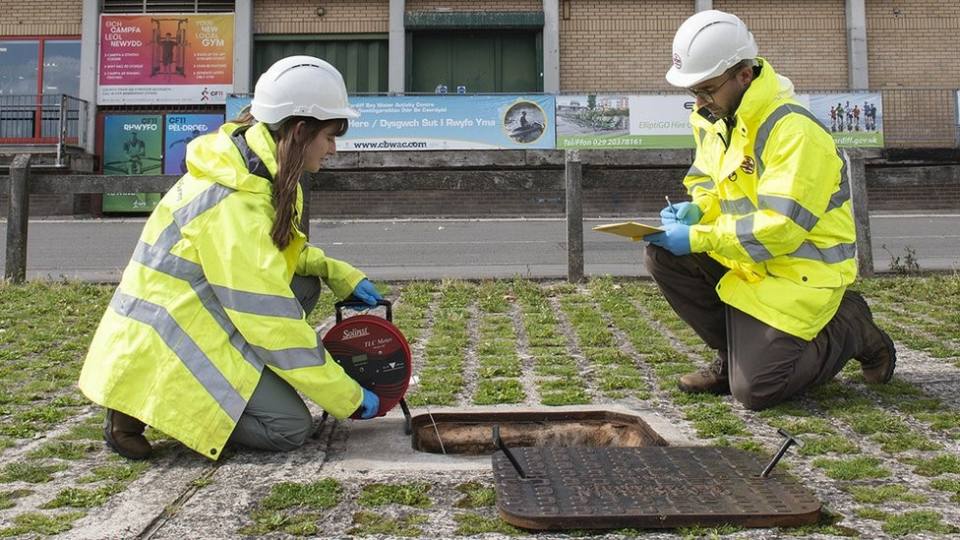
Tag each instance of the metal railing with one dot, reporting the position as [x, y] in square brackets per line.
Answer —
[43, 119]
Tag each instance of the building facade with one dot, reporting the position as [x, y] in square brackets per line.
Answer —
[905, 50]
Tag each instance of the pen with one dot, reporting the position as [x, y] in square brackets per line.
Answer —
[670, 205]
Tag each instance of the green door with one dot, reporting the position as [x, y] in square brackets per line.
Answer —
[480, 60]
[361, 59]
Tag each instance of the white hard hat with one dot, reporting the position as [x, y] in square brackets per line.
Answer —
[300, 86]
[706, 45]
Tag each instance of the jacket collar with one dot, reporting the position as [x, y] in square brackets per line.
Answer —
[764, 90]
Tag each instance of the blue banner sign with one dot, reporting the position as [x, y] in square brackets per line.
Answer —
[444, 122]
[451, 122]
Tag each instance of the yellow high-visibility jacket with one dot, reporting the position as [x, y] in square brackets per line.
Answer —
[776, 208]
[205, 303]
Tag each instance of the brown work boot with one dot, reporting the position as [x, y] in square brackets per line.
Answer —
[712, 379]
[879, 357]
[124, 434]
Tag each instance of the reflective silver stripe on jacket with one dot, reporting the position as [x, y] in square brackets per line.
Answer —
[764, 132]
[192, 357]
[214, 298]
[754, 247]
[706, 183]
[842, 194]
[832, 254]
[737, 207]
[790, 208]
[269, 305]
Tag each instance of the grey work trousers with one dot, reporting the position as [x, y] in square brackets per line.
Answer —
[276, 419]
[765, 366]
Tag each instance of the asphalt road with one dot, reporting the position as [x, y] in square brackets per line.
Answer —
[98, 250]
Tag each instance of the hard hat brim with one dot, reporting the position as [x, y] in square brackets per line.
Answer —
[686, 80]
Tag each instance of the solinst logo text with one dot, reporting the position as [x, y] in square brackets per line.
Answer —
[355, 333]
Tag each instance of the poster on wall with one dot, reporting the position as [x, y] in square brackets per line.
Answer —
[181, 130]
[855, 119]
[621, 121]
[165, 59]
[451, 122]
[443, 122]
[132, 145]
[594, 121]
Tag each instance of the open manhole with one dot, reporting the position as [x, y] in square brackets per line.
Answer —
[471, 432]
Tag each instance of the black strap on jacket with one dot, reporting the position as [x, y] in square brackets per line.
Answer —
[255, 165]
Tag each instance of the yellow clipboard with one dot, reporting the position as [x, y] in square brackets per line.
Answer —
[630, 229]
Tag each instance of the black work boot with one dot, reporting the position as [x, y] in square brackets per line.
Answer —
[124, 434]
[878, 357]
[712, 379]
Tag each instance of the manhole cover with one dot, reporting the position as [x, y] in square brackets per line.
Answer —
[605, 488]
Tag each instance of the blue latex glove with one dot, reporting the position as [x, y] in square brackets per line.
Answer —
[366, 292]
[684, 212]
[675, 238]
[370, 405]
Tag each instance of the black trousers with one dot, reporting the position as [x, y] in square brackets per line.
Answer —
[765, 366]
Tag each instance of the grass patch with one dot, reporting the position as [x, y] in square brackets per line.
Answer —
[83, 498]
[37, 523]
[267, 521]
[698, 532]
[412, 494]
[713, 420]
[857, 468]
[870, 421]
[949, 485]
[64, 450]
[368, 523]
[568, 396]
[941, 421]
[120, 472]
[32, 473]
[935, 466]
[885, 493]
[92, 431]
[470, 524]
[475, 495]
[917, 522]
[491, 391]
[320, 495]
[901, 442]
[271, 515]
[800, 426]
[826, 526]
[830, 444]
[874, 514]
[7, 497]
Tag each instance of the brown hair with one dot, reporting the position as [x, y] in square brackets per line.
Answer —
[290, 167]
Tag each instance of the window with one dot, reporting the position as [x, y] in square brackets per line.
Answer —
[34, 73]
[61, 67]
[19, 63]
